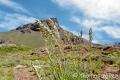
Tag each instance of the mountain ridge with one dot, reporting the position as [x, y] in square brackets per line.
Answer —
[21, 34]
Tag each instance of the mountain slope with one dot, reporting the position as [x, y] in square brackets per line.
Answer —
[32, 39]
[29, 34]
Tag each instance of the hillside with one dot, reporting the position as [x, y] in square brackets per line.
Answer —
[55, 61]
[29, 34]
[32, 39]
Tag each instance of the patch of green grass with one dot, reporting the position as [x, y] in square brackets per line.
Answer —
[117, 58]
[10, 63]
[4, 50]
[6, 74]
[33, 39]
[33, 58]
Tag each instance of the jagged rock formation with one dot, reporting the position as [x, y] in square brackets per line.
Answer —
[34, 27]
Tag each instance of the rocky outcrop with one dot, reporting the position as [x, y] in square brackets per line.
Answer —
[25, 31]
[28, 28]
[35, 27]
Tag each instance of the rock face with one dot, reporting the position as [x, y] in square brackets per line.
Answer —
[34, 27]
[25, 31]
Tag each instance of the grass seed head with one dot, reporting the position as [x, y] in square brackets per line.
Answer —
[44, 30]
[53, 28]
[48, 34]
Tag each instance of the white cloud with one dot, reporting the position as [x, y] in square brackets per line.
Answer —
[98, 35]
[86, 36]
[95, 41]
[11, 21]
[97, 26]
[101, 15]
[96, 12]
[62, 3]
[75, 19]
[13, 5]
[87, 23]
[100, 9]
[74, 32]
[91, 23]
[113, 31]
[64, 27]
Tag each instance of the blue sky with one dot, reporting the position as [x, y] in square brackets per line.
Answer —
[73, 15]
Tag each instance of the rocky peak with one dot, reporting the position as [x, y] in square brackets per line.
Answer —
[34, 27]
[28, 28]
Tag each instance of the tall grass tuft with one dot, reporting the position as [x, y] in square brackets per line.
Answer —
[61, 68]
[51, 36]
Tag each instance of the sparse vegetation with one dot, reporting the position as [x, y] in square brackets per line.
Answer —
[90, 36]
[33, 39]
[57, 61]
[4, 50]
[62, 68]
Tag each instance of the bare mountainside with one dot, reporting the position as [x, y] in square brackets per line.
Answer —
[29, 35]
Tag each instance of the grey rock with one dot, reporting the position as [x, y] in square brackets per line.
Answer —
[34, 27]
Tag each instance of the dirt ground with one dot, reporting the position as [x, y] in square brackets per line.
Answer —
[24, 74]
[108, 70]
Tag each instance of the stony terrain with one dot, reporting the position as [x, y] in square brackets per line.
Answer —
[18, 64]
[25, 57]
[16, 36]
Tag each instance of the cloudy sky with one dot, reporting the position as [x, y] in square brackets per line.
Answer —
[103, 16]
